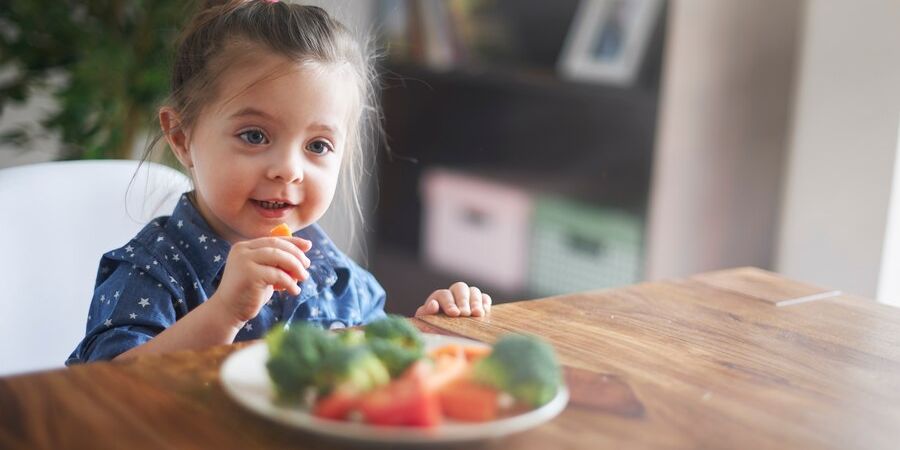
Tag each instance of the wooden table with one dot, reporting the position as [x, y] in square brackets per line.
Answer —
[740, 358]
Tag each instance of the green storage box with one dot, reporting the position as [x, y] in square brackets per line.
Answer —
[575, 247]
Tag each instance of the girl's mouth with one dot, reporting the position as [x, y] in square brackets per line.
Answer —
[271, 205]
[272, 208]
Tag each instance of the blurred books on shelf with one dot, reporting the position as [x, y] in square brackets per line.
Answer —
[448, 34]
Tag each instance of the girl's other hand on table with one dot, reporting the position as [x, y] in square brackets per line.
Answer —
[459, 300]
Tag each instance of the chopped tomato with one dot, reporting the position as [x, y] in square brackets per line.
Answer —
[336, 405]
[282, 230]
[405, 401]
[469, 401]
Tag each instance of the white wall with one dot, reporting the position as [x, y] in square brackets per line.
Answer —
[723, 131]
[844, 144]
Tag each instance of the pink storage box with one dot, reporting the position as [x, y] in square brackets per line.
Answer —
[476, 228]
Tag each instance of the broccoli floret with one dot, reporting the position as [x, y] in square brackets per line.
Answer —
[351, 367]
[395, 329]
[524, 366]
[394, 356]
[295, 357]
[351, 337]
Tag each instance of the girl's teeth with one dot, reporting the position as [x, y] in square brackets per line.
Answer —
[272, 205]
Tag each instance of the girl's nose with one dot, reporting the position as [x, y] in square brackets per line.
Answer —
[286, 167]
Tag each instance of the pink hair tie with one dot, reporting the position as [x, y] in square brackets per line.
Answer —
[271, 1]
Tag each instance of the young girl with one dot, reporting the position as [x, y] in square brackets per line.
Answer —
[269, 101]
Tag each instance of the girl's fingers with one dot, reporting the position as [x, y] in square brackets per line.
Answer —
[475, 301]
[281, 259]
[279, 279]
[430, 307]
[445, 300]
[486, 301]
[303, 244]
[283, 244]
[460, 292]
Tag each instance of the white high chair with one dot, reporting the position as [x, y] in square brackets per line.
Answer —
[56, 220]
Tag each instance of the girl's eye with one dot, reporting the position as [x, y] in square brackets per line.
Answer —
[319, 147]
[254, 137]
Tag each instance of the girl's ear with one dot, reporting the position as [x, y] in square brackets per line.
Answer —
[175, 135]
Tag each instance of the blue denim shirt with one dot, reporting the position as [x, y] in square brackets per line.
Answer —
[175, 263]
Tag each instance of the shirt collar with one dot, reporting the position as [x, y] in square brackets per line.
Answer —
[207, 251]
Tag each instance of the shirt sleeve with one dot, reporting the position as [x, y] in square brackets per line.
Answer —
[131, 305]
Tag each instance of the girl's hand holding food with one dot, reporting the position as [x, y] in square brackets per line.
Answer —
[257, 267]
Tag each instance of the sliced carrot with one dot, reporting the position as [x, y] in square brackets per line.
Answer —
[473, 352]
[469, 352]
[282, 230]
[469, 401]
[446, 350]
[447, 369]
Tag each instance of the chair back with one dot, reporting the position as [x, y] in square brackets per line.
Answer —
[56, 221]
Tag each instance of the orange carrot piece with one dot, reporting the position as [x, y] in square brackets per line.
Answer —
[469, 352]
[447, 369]
[473, 352]
[282, 230]
[446, 350]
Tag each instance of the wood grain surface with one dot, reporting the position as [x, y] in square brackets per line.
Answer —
[719, 360]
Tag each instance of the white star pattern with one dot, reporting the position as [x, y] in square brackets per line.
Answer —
[116, 295]
[129, 249]
[145, 302]
[314, 311]
[160, 239]
[217, 258]
[202, 238]
[108, 322]
[133, 316]
[180, 223]
[172, 280]
[175, 257]
[180, 301]
[248, 327]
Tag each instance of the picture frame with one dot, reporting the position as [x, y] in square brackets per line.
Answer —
[608, 39]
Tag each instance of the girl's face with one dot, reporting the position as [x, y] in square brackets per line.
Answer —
[268, 150]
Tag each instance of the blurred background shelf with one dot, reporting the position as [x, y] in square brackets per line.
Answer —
[511, 118]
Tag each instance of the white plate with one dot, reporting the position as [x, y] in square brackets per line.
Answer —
[246, 380]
